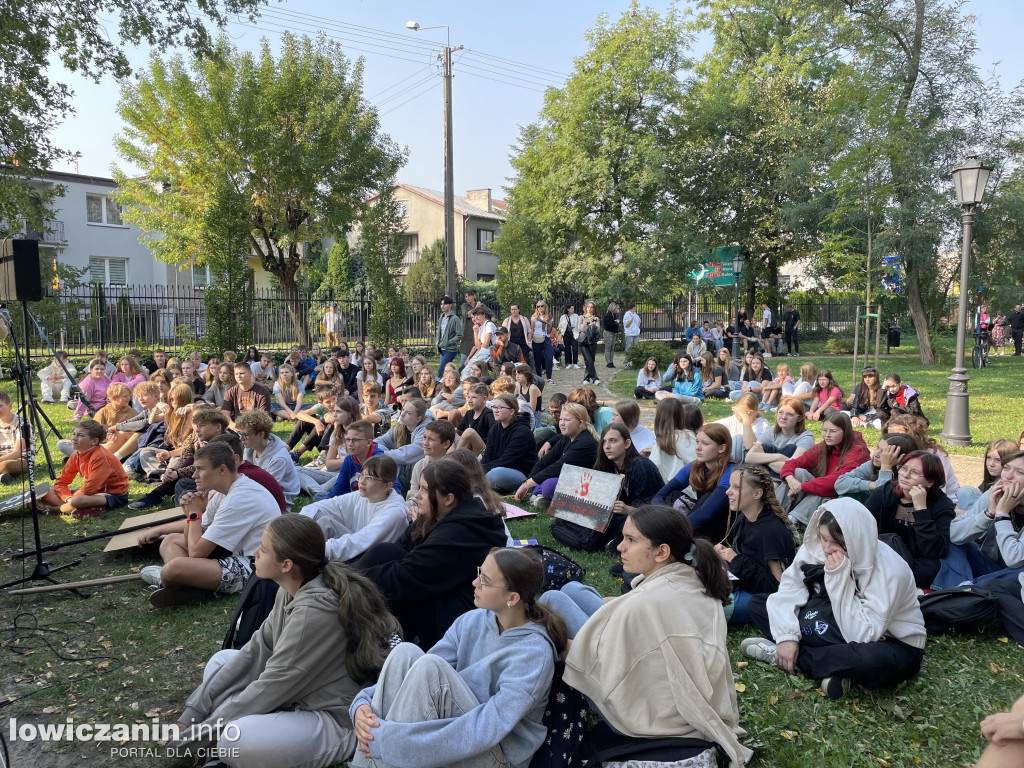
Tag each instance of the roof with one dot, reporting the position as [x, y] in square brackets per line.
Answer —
[462, 205]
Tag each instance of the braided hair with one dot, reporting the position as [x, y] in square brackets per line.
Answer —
[759, 477]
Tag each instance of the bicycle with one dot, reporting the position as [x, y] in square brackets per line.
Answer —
[982, 345]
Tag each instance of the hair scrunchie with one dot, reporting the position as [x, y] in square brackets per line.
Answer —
[691, 555]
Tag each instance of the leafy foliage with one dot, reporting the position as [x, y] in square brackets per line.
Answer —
[228, 302]
[288, 146]
[89, 37]
[662, 351]
[382, 245]
[426, 278]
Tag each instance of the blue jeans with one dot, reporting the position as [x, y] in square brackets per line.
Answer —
[505, 479]
[542, 355]
[447, 355]
[575, 603]
[740, 614]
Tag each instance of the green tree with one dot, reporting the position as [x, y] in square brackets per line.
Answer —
[382, 246]
[289, 141]
[89, 37]
[591, 175]
[426, 277]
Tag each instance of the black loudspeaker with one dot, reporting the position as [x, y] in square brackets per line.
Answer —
[20, 278]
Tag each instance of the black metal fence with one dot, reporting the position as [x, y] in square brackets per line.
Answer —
[86, 318]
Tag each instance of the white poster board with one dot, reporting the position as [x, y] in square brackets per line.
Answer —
[585, 496]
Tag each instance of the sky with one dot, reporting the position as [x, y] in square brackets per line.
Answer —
[511, 52]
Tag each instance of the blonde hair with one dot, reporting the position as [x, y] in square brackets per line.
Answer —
[579, 413]
[291, 389]
[179, 427]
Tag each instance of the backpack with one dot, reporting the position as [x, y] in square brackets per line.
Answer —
[254, 605]
[565, 720]
[957, 609]
[559, 569]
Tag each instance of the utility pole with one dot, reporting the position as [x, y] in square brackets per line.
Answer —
[449, 183]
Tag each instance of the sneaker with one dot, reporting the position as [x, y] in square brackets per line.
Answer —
[554, 367]
[296, 456]
[610, 365]
[551, 381]
[151, 575]
[595, 382]
[48, 400]
[142, 503]
[540, 502]
[84, 512]
[759, 649]
[5, 478]
[835, 687]
[165, 598]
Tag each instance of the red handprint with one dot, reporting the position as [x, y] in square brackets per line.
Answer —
[585, 484]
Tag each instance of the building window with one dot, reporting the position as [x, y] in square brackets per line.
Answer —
[484, 238]
[784, 281]
[201, 276]
[484, 278]
[412, 242]
[107, 271]
[403, 208]
[100, 209]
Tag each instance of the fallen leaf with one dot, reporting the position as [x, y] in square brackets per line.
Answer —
[795, 695]
[107, 644]
[996, 669]
[740, 687]
[773, 700]
[790, 734]
[1004, 640]
[50, 710]
[742, 664]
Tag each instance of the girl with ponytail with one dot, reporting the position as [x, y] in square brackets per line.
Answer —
[282, 699]
[495, 663]
[654, 662]
[763, 538]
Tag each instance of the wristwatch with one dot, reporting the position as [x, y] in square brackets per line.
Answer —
[194, 517]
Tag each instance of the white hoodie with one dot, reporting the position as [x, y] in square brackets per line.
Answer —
[872, 592]
[351, 523]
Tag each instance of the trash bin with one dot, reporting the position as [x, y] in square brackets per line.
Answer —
[893, 339]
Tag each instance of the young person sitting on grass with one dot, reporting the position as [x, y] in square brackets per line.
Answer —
[675, 436]
[477, 421]
[426, 575]
[495, 665]
[372, 410]
[648, 380]
[627, 413]
[789, 439]
[438, 439]
[706, 505]
[898, 399]
[917, 427]
[763, 540]
[811, 477]
[995, 455]
[246, 395]
[360, 445]
[879, 469]
[266, 450]
[914, 515]
[353, 522]
[781, 386]
[220, 379]
[12, 454]
[208, 553]
[104, 482]
[826, 397]
[687, 385]
[288, 393]
[804, 388]
[577, 446]
[94, 389]
[511, 451]
[311, 424]
[281, 701]
[118, 409]
[714, 376]
[654, 662]
[862, 405]
[846, 611]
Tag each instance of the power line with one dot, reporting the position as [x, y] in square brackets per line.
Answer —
[559, 75]
[503, 82]
[400, 82]
[429, 88]
[510, 73]
[399, 94]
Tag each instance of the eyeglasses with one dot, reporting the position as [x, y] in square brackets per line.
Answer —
[911, 474]
[360, 476]
[500, 408]
[354, 440]
[243, 436]
[485, 582]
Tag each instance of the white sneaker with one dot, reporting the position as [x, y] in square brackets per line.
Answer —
[48, 400]
[759, 649]
[151, 575]
[595, 382]
[576, 366]
[554, 367]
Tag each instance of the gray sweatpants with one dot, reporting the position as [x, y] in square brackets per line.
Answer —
[415, 687]
[803, 506]
[293, 739]
[609, 347]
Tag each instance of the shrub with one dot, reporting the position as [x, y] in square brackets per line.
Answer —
[662, 351]
[839, 346]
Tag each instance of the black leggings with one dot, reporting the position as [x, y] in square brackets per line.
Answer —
[885, 663]
[588, 360]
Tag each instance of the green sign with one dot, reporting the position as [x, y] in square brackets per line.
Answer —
[718, 271]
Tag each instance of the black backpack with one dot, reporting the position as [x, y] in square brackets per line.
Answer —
[254, 605]
[957, 609]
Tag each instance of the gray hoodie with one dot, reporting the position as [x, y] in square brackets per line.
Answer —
[510, 674]
[295, 660]
[409, 454]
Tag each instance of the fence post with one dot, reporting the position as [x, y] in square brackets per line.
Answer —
[101, 312]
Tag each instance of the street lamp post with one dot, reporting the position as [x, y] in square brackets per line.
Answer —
[737, 268]
[970, 180]
[449, 184]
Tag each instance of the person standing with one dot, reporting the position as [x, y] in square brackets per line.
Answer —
[334, 324]
[519, 331]
[588, 335]
[766, 315]
[791, 323]
[449, 334]
[611, 327]
[568, 326]
[1016, 321]
[630, 327]
[468, 337]
[542, 350]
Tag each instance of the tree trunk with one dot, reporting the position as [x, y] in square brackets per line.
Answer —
[920, 319]
[293, 302]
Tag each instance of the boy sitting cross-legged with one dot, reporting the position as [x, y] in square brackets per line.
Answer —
[105, 484]
[209, 552]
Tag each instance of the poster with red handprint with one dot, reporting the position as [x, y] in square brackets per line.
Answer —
[585, 496]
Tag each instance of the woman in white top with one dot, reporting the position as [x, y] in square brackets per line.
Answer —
[745, 409]
[568, 325]
[541, 340]
[368, 372]
[675, 436]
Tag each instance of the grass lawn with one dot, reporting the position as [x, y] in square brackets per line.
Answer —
[111, 658]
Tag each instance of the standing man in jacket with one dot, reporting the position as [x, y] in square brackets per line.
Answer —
[449, 334]
[1016, 321]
